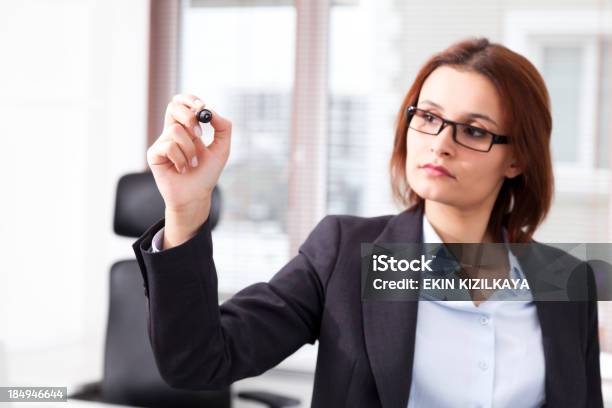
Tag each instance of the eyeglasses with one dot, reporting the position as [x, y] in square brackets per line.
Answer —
[469, 136]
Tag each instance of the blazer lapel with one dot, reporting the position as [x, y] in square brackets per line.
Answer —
[390, 326]
[556, 328]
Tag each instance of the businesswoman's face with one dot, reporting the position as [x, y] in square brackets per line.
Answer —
[475, 177]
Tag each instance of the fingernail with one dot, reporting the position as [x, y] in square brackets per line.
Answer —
[197, 130]
[198, 103]
[194, 162]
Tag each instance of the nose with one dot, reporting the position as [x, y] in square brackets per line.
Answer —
[443, 144]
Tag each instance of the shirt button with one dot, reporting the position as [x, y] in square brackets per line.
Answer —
[484, 320]
[483, 365]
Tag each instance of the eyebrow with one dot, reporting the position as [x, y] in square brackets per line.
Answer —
[472, 115]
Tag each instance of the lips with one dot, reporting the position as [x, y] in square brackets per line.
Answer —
[437, 170]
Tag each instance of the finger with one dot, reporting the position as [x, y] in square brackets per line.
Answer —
[178, 134]
[186, 144]
[191, 101]
[199, 146]
[179, 113]
[166, 151]
[223, 132]
[175, 154]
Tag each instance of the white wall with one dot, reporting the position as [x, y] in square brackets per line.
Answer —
[72, 121]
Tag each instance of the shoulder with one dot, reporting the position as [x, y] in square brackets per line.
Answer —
[557, 263]
[404, 226]
[344, 226]
[562, 256]
[337, 236]
[547, 254]
[337, 232]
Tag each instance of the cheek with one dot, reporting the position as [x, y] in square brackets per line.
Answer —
[481, 175]
[416, 148]
[479, 166]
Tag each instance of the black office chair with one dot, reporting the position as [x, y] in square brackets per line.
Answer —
[130, 375]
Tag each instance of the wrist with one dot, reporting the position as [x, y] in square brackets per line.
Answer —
[183, 223]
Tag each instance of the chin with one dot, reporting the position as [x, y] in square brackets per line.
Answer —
[441, 200]
[435, 193]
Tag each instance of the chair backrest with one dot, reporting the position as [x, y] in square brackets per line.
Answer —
[138, 205]
[131, 376]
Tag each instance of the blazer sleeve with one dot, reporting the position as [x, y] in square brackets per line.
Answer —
[200, 345]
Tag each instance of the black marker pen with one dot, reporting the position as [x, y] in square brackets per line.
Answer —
[204, 115]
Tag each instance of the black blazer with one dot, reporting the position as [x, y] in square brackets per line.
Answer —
[365, 348]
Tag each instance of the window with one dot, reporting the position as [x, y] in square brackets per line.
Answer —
[246, 73]
[562, 69]
[570, 48]
[605, 103]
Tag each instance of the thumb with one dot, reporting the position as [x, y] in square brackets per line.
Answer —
[199, 145]
[223, 132]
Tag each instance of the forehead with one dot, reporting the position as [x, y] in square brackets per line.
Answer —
[462, 92]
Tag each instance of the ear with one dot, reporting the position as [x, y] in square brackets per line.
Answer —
[513, 169]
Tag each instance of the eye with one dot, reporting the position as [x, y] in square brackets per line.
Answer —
[475, 132]
[429, 117]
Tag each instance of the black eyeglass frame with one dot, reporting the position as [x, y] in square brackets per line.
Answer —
[496, 139]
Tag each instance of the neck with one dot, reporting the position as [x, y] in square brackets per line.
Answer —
[459, 225]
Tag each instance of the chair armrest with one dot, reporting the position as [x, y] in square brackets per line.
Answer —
[88, 392]
[269, 399]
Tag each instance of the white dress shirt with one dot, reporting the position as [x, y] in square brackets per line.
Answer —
[489, 355]
[157, 243]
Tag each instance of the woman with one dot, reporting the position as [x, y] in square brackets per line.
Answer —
[471, 161]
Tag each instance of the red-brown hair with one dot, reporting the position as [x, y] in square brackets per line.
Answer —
[523, 201]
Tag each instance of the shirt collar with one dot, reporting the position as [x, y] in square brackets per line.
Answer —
[430, 236]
